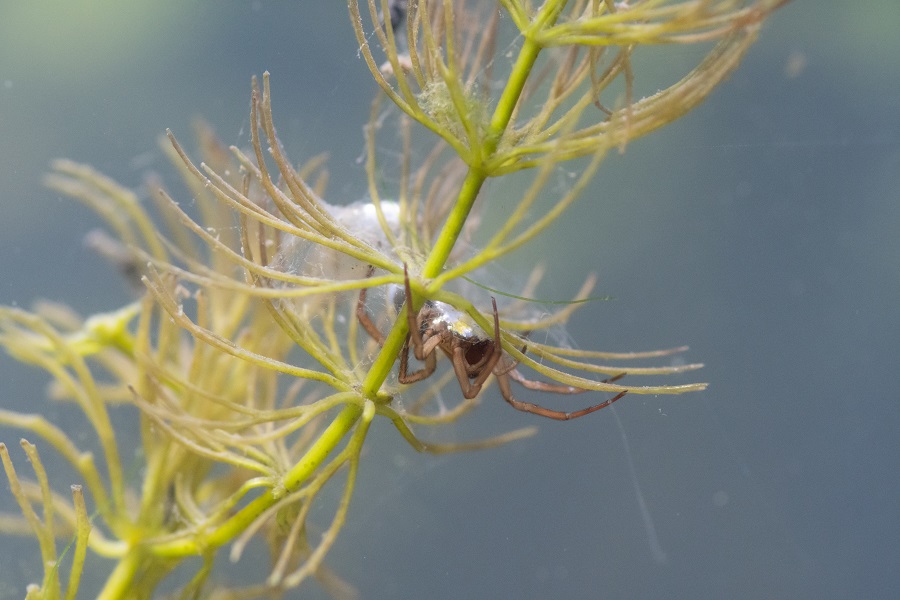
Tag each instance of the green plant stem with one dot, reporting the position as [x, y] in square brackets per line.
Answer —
[468, 193]
[475, 178]
[454, 224]
[121, 579]
[306, 466]
[385, 360]
[119, 584]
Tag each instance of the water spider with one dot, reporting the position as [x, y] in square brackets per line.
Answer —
[475, 355]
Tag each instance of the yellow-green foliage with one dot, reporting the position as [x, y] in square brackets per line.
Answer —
[253, 382]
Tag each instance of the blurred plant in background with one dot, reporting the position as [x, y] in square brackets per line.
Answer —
[263, 344]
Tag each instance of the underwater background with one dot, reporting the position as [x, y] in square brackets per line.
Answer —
[763, 230]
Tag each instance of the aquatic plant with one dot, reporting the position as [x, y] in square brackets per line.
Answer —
[270, 323]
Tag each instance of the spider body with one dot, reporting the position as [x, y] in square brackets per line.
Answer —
[438, 325]
[438, 316]
[475, 356]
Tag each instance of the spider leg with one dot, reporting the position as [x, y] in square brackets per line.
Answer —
[362, 315]
[414, 333]
[471, 387]
[555, 388]
[423, 351]
[512, 365]
[404, 376]
[496, 349]
[506, 392]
